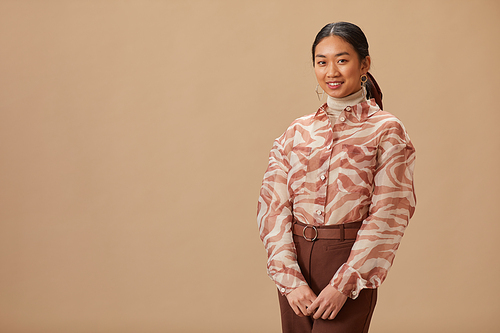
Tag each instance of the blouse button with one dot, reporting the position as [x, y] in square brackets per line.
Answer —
[342, 118]
[354, 293]
[348, 108]
[322, 177]
[318, 212]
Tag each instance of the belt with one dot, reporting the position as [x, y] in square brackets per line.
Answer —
[340, 232]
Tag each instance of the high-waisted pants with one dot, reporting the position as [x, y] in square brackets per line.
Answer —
[319, 261]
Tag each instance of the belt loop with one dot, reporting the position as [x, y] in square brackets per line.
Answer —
[342, 235]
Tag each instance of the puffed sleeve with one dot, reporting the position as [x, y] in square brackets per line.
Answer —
[275, 219]
[392, 205]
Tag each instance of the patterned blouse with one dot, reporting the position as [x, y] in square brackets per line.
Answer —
[359, 169]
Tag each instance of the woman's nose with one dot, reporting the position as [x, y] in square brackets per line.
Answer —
[332, 70]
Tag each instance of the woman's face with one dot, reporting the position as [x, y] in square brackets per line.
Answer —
[338, 68]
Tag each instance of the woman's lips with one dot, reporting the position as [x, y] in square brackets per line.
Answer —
[333, 85]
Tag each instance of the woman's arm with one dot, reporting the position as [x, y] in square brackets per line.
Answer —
[275, 220]
[392, 205]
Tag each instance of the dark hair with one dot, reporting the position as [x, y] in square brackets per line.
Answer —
[352, 34]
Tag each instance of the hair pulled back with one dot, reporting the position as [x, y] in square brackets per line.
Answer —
[352, 34]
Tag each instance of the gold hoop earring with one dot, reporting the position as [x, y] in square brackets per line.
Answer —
[364, 79]
[320, 96]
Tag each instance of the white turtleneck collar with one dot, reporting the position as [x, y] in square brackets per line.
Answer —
[337, 105]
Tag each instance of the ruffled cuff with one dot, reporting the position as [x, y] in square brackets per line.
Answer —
[286, 283]
[348, 281]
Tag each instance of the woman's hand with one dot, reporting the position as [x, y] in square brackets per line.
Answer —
[300, 299]
[327, 304]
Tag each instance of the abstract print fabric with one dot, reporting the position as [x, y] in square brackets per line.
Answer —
[358, 169]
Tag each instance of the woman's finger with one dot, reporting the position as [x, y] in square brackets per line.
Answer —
[322, 310]
[327, 314]
[296, 309]
[333, 315]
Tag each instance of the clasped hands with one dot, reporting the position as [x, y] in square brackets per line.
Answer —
[325, 306]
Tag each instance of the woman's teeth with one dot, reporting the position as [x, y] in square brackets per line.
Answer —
[333, 85]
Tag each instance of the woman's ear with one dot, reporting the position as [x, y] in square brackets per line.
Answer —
[365, 64]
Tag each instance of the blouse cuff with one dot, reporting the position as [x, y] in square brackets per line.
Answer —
[286, 283]
[348, 281]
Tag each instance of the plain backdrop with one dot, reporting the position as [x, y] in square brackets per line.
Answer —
[134, 136]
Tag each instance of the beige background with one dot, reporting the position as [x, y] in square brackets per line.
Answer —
[134, 136]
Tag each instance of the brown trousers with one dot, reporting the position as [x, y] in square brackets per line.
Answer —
[319, 260]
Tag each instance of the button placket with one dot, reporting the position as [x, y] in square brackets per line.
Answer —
[322, 187]
[342, 117]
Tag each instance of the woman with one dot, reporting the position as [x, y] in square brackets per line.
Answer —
[337, 195]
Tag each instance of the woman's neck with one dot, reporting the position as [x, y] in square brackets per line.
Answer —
[336, 105]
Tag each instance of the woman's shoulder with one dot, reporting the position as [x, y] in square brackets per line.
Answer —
[302, 128]
[306, 120]
[389, 124]
[386, 118]
[301, 125]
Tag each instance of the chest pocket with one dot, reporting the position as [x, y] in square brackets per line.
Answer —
[357, 168]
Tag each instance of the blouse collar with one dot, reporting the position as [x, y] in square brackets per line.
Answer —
[336, 105]
[360, 111]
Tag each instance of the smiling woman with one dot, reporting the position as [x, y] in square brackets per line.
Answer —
[337, 195]
[338, 68]
[352, 45]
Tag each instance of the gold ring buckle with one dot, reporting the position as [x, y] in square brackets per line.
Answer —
[304, 233]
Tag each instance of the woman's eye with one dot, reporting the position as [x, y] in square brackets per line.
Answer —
[341, 61]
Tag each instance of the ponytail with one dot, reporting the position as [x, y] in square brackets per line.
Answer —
[373, 90]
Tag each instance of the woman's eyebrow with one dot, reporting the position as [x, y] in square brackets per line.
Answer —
[341, 54]
[337, 55]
